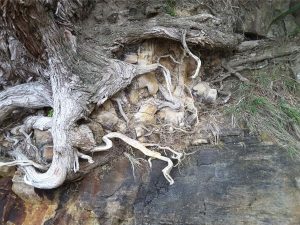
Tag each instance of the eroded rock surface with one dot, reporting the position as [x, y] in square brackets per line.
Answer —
[240, 182]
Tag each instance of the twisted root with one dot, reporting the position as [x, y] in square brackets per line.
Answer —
[138, 145]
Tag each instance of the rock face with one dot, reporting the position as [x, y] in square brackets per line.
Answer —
[257, 16]
[240, 182]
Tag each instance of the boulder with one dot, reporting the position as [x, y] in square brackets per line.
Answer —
[203, 91]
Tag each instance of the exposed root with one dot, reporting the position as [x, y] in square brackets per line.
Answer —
[220, 79]
[138, 145]
[194, 108]
[24, 163]
[134, 163]
[10, 139]
[170, 56]
[108, 145]
[38, 122]
[173, 102]
[226, 98]
[234, 72]
[167, 77]
[120, 107]
[287, 51]
[76, 162]
[215, 130]
[54, 177]
[176, 155]
[84, 156]
[31, 95]
[178, 129]
[186, 48]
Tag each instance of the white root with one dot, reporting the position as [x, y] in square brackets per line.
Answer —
[186, 48]
[134, 163]
[120, 107]
[167, 77]
[38, 122]
[176, 155]
[10, 139]
[54, 177]
[82, 156]
[193, 105]
[24, 163]
[172, 101]
[177, 128]
[138, 145]
[76, 162]
[170, 56]
[108, 145]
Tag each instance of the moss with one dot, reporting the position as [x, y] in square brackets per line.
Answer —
[170, 7]
[50, 113]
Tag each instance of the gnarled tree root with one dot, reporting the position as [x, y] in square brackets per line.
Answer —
[31, 95]
[54, 176]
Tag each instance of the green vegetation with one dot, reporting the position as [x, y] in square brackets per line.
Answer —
[50, 113]
[170, 7]
[270, 105]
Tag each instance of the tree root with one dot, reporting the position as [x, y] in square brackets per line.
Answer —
[183, 41]
[176, 155]
[84, 156]
[31, 95]
[138, 145]
[172, 101]
[54, 176]
[24, 163]
[170, 56]
[120, 107]
[266, 56]
[37, 122]
[167, 77]
[234, 72]
[194, 108]
[135, 162]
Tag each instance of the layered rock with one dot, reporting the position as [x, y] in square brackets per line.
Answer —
[241, 181]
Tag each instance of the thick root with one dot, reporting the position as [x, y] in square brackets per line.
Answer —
[54, 177]
[31, 95]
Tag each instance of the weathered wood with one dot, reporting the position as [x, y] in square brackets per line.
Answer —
[30, 95]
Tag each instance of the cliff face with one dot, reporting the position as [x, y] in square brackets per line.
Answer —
[241, 182]
[243, 179]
